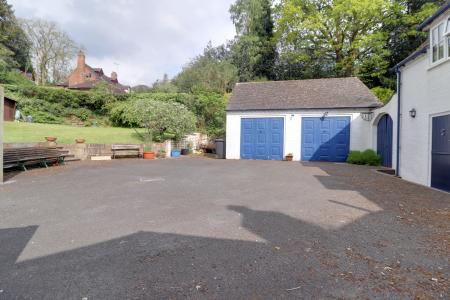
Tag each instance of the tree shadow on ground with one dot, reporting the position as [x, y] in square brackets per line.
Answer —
[377, 256]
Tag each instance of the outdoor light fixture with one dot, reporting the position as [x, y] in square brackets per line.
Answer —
[413, 113]
[367, 116]
[325, 114]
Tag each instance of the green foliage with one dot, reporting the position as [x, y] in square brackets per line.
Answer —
[156, 116]
[335, 35]
[253, 51]
[14, 44]
[384, 94]
[208, 107]
[14, 77]
[367, 157]
[208, 72]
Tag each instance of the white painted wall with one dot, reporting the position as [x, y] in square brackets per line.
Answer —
[360, 139]
[428, 91]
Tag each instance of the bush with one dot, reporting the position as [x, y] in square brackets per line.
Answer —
[355, 157]
[384, 94]
[368, 157]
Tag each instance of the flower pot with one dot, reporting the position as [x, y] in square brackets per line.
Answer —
[51, 141]
[80, 141]
[149, 155]
[289, 157]
[175, 153]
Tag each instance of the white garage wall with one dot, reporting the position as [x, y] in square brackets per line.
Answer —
[360, 139]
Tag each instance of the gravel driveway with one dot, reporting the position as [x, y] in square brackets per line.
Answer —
[213, 229]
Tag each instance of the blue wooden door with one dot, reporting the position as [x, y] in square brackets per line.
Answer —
[440, 153]
[262, 138]
[325, 139]
[384, 140]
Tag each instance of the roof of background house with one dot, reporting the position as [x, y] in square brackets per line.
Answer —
[347, 92]
[434, 16]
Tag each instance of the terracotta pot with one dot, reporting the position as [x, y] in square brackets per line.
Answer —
[289, 157]
[51, 138]
[149, 155]
[80, 141]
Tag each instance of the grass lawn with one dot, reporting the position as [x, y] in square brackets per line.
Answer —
[33, 132]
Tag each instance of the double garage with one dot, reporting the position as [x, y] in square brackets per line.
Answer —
[314, 120]
[322, 138]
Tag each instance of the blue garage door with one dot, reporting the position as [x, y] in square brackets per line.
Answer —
[384, 140]
[440, 153]
[262, 138]
[325, 139]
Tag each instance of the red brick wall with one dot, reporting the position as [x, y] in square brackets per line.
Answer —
[82, 73]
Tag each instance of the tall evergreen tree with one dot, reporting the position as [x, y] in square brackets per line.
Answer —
[253, 51]
[14, 44]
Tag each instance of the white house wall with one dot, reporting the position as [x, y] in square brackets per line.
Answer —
[360, 139]
[428, 91]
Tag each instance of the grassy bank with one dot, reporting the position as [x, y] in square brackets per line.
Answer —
[33, 132]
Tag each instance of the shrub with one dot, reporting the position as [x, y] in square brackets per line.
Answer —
[368, 157]
[371, 158]
[355, 157]
[384, 94]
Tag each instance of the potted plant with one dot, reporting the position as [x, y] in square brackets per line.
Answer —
[148, 153]
[289, 157]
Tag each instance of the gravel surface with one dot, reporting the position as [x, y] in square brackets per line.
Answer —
[212, 229]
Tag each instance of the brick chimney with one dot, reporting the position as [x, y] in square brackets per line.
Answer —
[114, 77]
[81, 63]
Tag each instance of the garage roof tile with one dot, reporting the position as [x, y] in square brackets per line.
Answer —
[347, 92]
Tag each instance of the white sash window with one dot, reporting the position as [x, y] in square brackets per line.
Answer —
[438, 42]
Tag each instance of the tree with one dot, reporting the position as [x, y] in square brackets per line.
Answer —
[404, 38]
[14, 44]
[334, 37]
[157, 117]
[212, 71]
[164, 85]
[253, 51]
[52, 50]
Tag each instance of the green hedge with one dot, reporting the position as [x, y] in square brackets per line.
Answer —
[368, 157]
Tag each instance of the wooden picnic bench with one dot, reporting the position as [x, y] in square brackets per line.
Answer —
[128, 148]
[21, 157]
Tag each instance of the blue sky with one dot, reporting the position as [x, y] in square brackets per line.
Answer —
[140, 39]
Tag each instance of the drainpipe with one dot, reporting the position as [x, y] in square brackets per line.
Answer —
[399, 89]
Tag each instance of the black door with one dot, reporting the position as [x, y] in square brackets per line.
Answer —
[384, 140]
[440, 153]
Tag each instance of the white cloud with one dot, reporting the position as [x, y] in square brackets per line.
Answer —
[140, 39]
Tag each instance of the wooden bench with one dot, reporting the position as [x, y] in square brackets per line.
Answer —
[135, 149]
[21, 157]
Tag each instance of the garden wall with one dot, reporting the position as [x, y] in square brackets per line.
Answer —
[86, 151]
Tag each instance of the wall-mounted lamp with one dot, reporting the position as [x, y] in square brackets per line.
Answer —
[325, 114]
[413, 113]
[367, 116]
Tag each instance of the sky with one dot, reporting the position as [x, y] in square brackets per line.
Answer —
[139, 39]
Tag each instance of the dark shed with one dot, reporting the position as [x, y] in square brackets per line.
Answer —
[10, 109]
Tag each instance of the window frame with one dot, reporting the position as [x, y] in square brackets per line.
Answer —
[445, 23]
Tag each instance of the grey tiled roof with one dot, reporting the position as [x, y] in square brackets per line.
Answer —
[347, 92]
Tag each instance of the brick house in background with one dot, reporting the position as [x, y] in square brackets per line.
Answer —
[84, 77]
